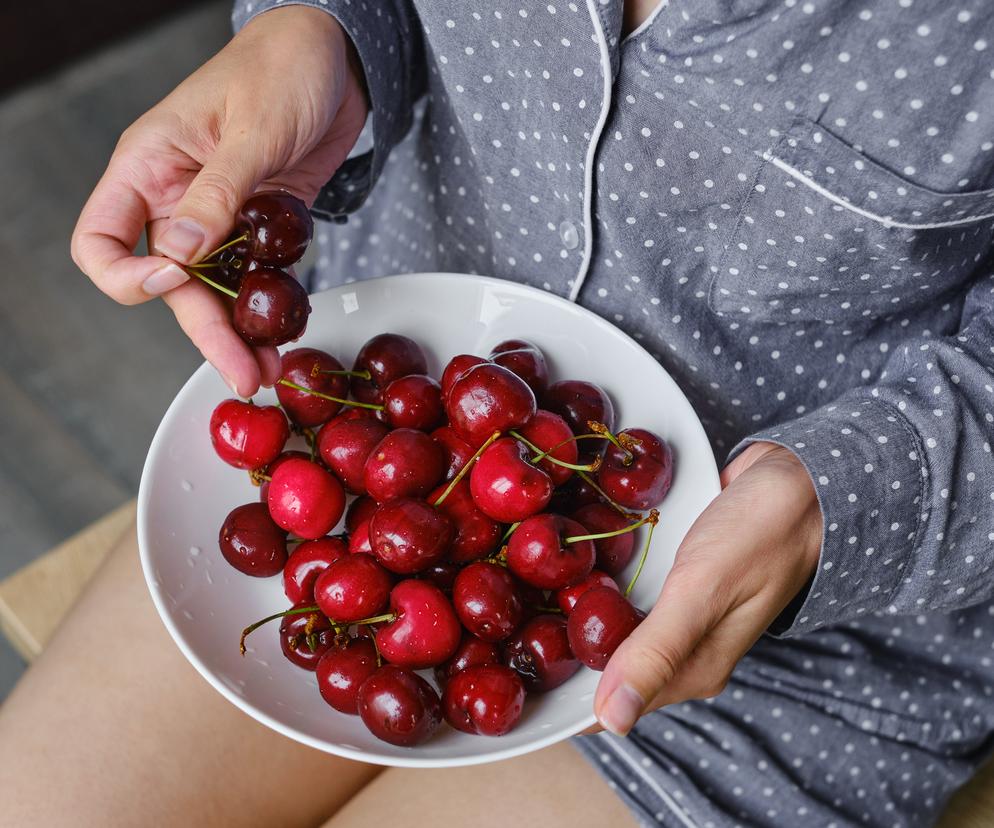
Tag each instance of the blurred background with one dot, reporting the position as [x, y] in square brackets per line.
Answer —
[83, 382]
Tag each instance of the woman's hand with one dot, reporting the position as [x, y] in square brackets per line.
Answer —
[750, 552]
[281, 105]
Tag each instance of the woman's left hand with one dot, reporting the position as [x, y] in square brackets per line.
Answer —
[750, 552]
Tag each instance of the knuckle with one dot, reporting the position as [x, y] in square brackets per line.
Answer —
[660, 661]
[713, 686]
[215, 187]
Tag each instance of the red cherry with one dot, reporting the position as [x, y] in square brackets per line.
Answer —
[613, 554]
[573, 494]
[405, 463]
[487, 700]
[305, 499]
[539, 555]
[488, 398]
[579, 402]
[426, 630]
[471, 652]
[268, 471]
[546, 430]
[279, 227]
[248, 436]
[524, 359]
[567, 597]
[487, 601]
[457, 366]
[540, 653]
[442, 575]
[641, 479]
[360, 511]
[476, 535]
[305, 563]
[352, 588]
[505, 486]
[457, 451]
[359, 540]
[271, 308]
[400, 707]
[300, 633]
[350, 413]
[342, 671]
[386, 357]
[251, 542]
[409, 535]
[345, 447]
[601, 619]
[414, 401]
[303, 366]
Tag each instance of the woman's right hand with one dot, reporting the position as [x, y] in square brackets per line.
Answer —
[280, 106]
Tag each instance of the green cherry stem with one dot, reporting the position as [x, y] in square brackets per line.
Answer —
[462, 472]
[253, 627]
[313, 393]
[623, 441]
[652, 518]
[654, 515]
[559, 445]
[593, 485]
[317, 371]
[509, 532]
[555, 610]
[589, 467]
[225, 246]
[212, 283]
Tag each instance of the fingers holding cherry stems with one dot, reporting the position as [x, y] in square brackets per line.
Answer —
[491, 513]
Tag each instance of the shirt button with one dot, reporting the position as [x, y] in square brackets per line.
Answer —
[567, 232]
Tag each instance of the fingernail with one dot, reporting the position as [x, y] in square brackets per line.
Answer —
[164, 279]
[231, 384]
[621, 710]
[182, 240]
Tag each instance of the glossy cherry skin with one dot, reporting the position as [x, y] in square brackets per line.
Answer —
[302, 366]
[345, 447]
[487, 601]
[360, 511]
[546, 430]
[232, 265]
[486, 700]
[306, 562]
[524, 359]
[248, 436]
[457, 451]
[279, 227]
[488, 398]
[272, 467]
[538, 554]
[342, 670]
[414, 401]
[567, 597]
[457, 366]
[252, 542]
[443, 575]
[601, 619]
[296, 641]
[405, 463]
[505, 486]
[409, 535]
[305, 499]
[613, 554]
[399, 707]
[387, 357]
[573, 494]
[641, 483]
[578, 402]
[426, 631]
[353, 588]
[476, 535]
[271, 308]
[359, 540]
[471, 652]
[539, 652]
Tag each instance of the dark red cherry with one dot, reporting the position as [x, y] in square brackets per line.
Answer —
[601, 619]
[547, 430]
[345, 447]
[399, 707]
[272, 467]
[486, 700]
[303, 366]
[613, 554]
[359, 540]
[573, 494]
[538, 552]
[305, 499]
[425, 632]
[278, 225]
[414, 401]
[487, 601]
[488, 398]
[305, 563]
[476, 535]
[639, 480]
[304, 638]
[524, 359]
[471, 652]
[352, 588]
[409, 535]
[456, 367]
[251, 542]
[505, 486]
[387, 357]
[342, 670]
[443, 575]
[350, 413]
[248, 436]
[271, 308]
[360, 511]
[539, 652]
[232, 265]
[578, 402]
[567, 597]
[405, 463]
[457, 451]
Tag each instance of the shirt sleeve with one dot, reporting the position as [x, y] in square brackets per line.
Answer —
[387, 37]
[905, 478]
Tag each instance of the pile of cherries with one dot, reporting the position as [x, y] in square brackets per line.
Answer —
[272, 231]
[482, 542]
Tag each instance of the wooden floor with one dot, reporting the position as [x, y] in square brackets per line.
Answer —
[83, 382]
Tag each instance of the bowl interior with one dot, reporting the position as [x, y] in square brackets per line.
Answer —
[186, 492]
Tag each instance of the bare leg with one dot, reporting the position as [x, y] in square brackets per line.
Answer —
[113, 727]
[552, 788]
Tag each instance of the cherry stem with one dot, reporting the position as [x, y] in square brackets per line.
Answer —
[573, 439]
[462, 472]
[509, 532]
[203, 265]
[550, 609]
[257, 476]
[253, 627]
[589, 467]
[212, 283]
[376, 619]
[654, 519]
[593, 485]
[313, 393]
[316, 370]
[623, 441]
[225, 246]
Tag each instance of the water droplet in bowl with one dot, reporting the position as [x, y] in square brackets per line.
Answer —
[186, 485]
[194, 551]
[207, 575]
[188, 615]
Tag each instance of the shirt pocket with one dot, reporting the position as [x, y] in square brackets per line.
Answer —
[826, 234]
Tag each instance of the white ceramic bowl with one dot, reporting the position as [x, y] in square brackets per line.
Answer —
[186, 492]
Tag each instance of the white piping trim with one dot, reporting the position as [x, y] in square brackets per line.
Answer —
[884, 220]
[588, 178]
[668, 801]
[645, 24]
